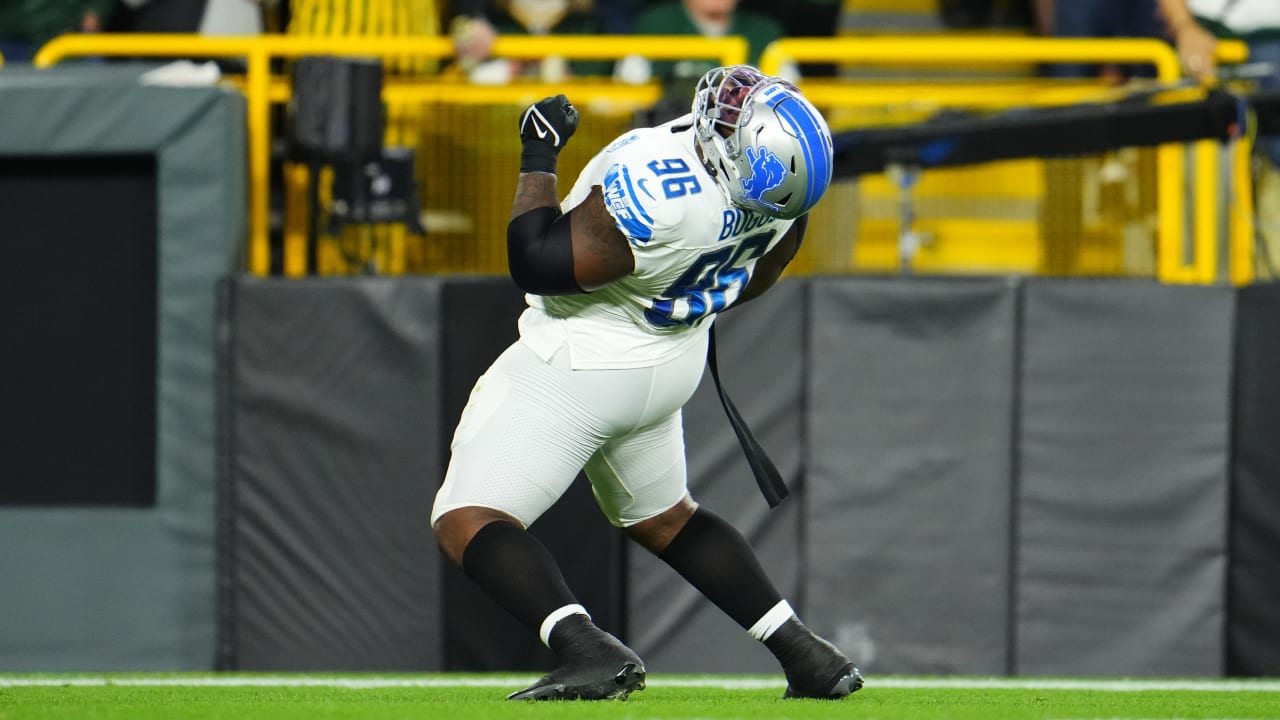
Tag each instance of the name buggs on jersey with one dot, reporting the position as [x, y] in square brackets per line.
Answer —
[737, 222]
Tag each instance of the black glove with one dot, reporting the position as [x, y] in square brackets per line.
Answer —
[544, 128]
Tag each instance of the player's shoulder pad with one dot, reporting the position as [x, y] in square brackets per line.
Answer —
[630, 190]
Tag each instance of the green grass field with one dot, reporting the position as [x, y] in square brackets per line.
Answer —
[464, 697]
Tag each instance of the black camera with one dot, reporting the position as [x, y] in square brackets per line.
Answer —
[337, 119]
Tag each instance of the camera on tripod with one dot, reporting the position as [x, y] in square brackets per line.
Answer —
[337, 120]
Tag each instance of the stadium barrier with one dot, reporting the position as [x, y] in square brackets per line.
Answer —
[990, 476]
[1181, 256]
[124, 204]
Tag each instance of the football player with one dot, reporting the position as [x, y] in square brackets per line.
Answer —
[665, 228]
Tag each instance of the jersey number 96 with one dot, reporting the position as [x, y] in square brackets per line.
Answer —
[682, 183]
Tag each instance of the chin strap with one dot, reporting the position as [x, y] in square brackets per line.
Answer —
[767, 476]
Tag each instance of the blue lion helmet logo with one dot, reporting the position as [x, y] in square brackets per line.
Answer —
[767, 173]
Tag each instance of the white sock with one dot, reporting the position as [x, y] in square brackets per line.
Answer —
[772, 620]
[556, 616]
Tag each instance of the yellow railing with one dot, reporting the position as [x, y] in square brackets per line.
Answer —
[258, 84]
[944, 51]
[1177, 261]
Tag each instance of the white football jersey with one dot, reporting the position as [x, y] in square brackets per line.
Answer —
[694, 253]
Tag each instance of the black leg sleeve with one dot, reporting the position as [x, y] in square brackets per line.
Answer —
[517, 571]
[717, 560]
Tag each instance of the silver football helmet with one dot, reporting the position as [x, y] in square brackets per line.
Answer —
[768, 147]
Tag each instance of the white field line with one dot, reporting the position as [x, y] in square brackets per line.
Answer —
[717, 681]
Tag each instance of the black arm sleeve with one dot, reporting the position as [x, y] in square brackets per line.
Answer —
[540, 252]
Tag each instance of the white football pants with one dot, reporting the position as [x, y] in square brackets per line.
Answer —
[530, 426]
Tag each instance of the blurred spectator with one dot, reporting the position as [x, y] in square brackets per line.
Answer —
[1194, 26]
[984, 14]
[618, 17]
[235, 17]
[25, 25]
[207, 17]
[1099, 19]
[158, 16]
[706, 18]
[472, 32]
[468, 24]
[540, 17]
[804, 18]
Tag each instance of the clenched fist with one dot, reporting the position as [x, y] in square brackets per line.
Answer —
[545, 127]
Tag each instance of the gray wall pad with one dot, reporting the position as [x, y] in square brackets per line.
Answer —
[99, 590]
[197, 137]
[1254, 594]
[761, 356]
[103, 110]
[335, 453]
[1123, 461]
[909, 444]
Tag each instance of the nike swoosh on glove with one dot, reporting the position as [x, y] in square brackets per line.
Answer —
[545, 127]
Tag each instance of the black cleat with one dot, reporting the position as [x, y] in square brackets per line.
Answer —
[814, 667]
[850, 681]
[594, 665]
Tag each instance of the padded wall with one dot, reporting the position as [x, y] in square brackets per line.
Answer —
[762, 357]
[343, 394]
[909, 411]
[104, 588]
[1254, 591]
[1123, 459]
[333, 432]
[989, 476]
